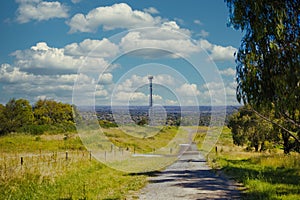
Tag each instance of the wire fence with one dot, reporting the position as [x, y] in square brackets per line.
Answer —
[46, 163]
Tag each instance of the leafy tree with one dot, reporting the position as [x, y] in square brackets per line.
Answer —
[249, 129]
[268, 60]
[15, 115]
[2, 119]
[52, 112]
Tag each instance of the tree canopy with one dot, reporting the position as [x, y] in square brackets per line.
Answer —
[249, 129]
[45, 116]
[15, 114]
[268, 60]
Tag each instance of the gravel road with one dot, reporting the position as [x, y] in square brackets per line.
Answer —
[189, 178]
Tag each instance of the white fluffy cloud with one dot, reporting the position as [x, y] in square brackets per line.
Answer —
[214, 92]
[40, 10]
[33, 86]
[93, 48]
[43, 59]
[164, 41]
[166, 36]
[217, 52]
[105, 78]
[188, 90]
[112, 17]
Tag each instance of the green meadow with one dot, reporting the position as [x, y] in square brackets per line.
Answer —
[58, 166]
[264, 175]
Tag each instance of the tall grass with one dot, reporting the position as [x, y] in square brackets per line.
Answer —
[25, 143]
[46, 173]
[264, 175]
[79, 180]
[140, 140]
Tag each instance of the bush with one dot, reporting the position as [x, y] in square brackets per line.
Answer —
[107, 124]
[35, 129]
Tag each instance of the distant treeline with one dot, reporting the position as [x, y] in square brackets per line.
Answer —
[50, 116]
[44, 116]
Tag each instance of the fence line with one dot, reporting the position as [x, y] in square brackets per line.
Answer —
[17, 162]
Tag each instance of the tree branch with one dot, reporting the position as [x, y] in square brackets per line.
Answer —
[288, 119]
[280, 126]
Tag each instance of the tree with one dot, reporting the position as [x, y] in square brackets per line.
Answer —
[52, 112]
[2, 119]
[268, 60]
[249, 129]
[15, 115]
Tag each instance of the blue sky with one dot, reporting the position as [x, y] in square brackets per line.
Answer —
[108, 48]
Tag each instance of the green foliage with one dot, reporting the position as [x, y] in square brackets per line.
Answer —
[52, 112]
[46, 116]
[2, 120]
[46, 175]
[268, 72]
[266, 177]
[25, 143]
[247, 128]
[80, 180]
[143, 122]
[107, 124]
[263, 175]
[15, 115]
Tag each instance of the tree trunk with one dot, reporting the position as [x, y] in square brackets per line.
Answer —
[286, 144]
[256, 147]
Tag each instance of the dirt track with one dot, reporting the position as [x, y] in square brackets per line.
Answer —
[189, 178]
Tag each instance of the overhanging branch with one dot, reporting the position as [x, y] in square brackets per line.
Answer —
[280, 126]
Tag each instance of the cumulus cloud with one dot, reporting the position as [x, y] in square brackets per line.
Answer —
[44, 59]
[106, 78]
[167, 35]
[94, 48]
[40, 10]
[159, 43]
[188, 90]
[112, 17]
[217, 52]
[24, 84]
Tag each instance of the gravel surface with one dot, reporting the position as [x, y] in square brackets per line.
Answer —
[189, 178]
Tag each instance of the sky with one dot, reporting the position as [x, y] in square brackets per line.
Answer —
[101, 52]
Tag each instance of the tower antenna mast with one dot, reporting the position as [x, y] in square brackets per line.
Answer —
[150, 77]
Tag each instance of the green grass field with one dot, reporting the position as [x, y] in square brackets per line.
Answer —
[268, 175]
[46, 173]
